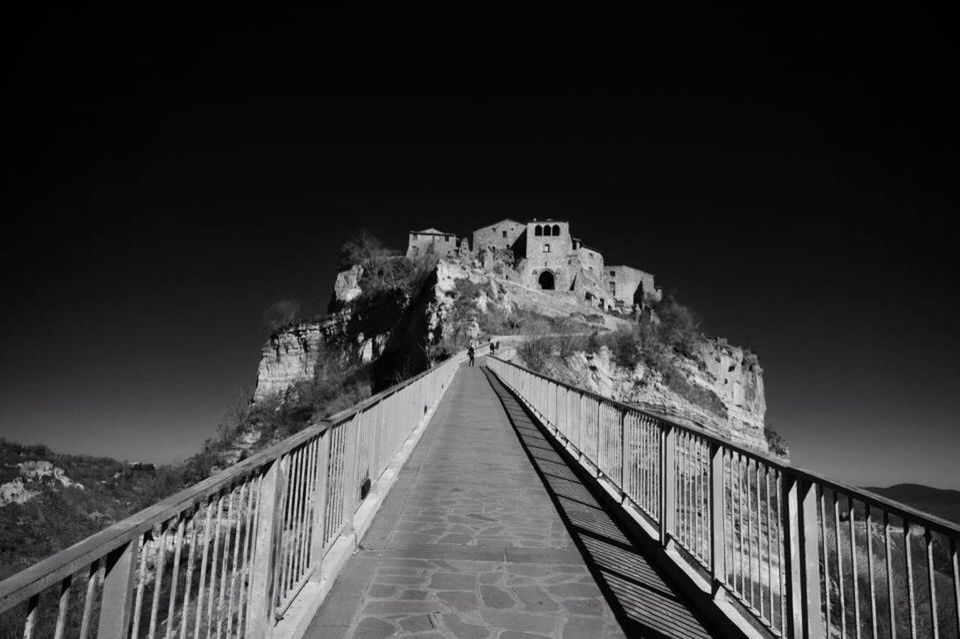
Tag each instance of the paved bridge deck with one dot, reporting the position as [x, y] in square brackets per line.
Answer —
[489, 533]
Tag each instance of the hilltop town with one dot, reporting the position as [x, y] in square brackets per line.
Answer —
[543, 255]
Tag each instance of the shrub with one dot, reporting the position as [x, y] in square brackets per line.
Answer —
[777, 443]
[679, 327]
[360, 248]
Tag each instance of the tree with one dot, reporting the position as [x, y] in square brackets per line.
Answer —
[360, 247]
[280, 314]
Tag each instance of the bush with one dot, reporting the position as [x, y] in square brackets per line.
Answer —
[678, 328]
[360, 248]
[776, 442]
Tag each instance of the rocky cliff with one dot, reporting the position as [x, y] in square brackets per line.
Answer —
[721, 389]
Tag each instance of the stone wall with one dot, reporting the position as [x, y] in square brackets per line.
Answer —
[591, 259]
[630, 285]
[430, 243]
[503, 235]
[548, 253]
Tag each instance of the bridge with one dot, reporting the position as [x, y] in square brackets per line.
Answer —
[492, 501]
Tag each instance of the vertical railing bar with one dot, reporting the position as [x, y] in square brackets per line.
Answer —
[188, 581]
[854, 574]
[743, 580]
[910, 593]
[782, 540]
[308, 480]
[141, 580]
[290, 520]
[211, 594]
[873, 591]
[158, 579]
[931, 576]
[826, 557]
[231, 498]
[249, 541]
[281, 514]
[759, 549]
[63, 606]
[296, 476]
[836, 523]
[88, 599]
[175, 575]
[766, 485]
[888, 559]
[31, 621]
[700, 512]
[203, 566]
[955, 564]
[242, 492]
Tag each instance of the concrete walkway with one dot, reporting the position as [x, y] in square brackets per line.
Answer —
[470, 542]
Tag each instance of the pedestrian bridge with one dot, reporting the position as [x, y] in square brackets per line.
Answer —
[490, 501]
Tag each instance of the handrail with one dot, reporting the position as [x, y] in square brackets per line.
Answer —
[902, 510]
[277, 512]
[783, 542]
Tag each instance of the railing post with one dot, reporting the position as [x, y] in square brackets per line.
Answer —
[118, 591]
[351, 487]
[668, 477]
[623, 450]
[802, 559]
[717, 515]
[270, 509]
[599, 450]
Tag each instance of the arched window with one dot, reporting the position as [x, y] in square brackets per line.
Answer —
[556, 229]
[546, 281]
[538, 230]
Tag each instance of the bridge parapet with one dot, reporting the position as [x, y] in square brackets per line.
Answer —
[781, 551]
[230, 555]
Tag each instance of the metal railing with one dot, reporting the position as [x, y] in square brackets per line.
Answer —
[789, 552]
[226, 557]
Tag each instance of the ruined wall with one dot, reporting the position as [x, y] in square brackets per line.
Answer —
[429, 243]
[591, 259]
[502, 235]
[630, 285]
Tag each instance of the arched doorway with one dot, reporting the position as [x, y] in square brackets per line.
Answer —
[546, 280]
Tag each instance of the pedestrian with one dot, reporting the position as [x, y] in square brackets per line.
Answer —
[470, 353]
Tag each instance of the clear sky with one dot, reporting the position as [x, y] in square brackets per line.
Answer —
[794, 183]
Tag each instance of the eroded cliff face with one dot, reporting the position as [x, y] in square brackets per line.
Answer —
[727, 372]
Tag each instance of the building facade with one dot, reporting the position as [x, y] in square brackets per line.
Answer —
[546, 257]
[431, 242]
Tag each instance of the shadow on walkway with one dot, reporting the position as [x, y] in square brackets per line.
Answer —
[645, 604]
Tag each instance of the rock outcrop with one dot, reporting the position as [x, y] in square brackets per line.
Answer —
[32, 476]
[727, 374]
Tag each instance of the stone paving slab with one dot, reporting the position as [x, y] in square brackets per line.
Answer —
[468, 543]
[475, 541]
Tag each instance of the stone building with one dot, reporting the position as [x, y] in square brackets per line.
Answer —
[432, 242]
[544, 256]
[630, 286]
[505, 234]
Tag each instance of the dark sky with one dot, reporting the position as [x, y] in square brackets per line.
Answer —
[168, 177]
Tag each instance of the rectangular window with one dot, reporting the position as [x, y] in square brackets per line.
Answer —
[613, 287]
[546, 248]
[504, 233]
[613, 273]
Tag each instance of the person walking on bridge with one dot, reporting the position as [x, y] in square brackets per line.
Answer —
[471, 351]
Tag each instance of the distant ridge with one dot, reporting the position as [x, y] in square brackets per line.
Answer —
[941, 502]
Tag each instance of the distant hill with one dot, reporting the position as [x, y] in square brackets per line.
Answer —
[936, 501]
